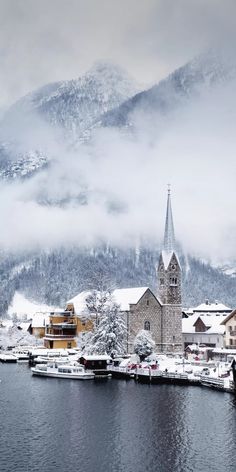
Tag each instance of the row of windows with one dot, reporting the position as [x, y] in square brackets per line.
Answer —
[173, 281]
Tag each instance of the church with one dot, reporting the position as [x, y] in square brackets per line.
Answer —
[159, 313]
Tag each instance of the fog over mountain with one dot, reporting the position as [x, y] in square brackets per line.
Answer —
[109, 182]
[89, 144]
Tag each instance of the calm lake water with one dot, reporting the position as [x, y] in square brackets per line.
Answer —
[112, 426]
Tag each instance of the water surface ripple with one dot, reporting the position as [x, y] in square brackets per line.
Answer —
[49, 425]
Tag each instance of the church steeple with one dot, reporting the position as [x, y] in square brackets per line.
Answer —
[169, 236]
[169, 270]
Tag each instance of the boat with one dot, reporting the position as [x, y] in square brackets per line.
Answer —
[7, 357]
[62, 371]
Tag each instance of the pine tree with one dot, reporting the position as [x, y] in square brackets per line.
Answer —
[110, 332]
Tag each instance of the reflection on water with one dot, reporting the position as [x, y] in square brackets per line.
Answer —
[112, 426]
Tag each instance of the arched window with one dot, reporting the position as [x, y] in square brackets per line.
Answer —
[147, 325]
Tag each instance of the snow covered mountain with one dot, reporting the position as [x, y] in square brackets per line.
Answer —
[198, 75]
[66, 113]
[59, 112]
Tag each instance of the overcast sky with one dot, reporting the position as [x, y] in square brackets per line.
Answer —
[42, 41]
[48, 40]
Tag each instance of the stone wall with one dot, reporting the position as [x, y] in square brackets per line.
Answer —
[147, 309]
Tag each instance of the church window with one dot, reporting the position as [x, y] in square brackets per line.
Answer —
[147, 325]
[173, 267]
[147, 302]
[173, 339]
[173, 280]
[161, 281]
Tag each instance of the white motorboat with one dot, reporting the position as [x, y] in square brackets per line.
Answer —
[7, 357]
[63, 371]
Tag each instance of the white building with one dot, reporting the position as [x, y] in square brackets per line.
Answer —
[204, 329]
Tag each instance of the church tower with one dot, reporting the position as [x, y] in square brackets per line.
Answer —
[169, 287]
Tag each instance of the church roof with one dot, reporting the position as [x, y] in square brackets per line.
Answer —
[126, 296]
[122, 296]
[169, 245]
[169, 235]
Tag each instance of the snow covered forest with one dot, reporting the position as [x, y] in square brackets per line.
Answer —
[54, 277]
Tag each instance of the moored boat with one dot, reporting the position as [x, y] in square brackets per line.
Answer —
[63, 371]
[7, 357]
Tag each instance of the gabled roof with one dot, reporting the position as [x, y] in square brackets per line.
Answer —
[212, 307]
[167, 256]
[213, 322]
[227, 318]
[129, 296]
[79, 302]
[124, 297]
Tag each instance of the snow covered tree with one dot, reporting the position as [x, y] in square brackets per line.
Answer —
[96, 303]
[143, 344]
[110, 332]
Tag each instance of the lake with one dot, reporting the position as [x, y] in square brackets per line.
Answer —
[110, 425]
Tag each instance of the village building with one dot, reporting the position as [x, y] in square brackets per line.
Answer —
[78, 307]
[61, 331]
[209, 308]
[38, 324]
[203, 330]
[229, 323]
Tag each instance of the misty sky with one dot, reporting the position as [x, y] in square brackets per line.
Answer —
[43, 41]
[60, 39]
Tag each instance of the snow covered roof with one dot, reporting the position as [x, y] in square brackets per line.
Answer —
[122, 296]
[212, 307]
[96, 357]
[79, 302]
[24, 326]
[227, 318]
[126, 296]
[40, 320]
[166, 257]
[213, 322]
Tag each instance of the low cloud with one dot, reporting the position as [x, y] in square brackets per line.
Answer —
[114, 189]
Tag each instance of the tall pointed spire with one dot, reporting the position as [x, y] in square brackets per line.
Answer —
[169, 236]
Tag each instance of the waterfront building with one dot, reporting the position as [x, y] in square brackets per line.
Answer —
[229, 324]
[61, 330]
[38, 324]
[204, 330]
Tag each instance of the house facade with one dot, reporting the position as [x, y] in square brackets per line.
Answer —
[229, 324]
[204, 330]
[61, 330]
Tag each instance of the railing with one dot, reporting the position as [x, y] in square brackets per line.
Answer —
[59, 336]
[159, 373]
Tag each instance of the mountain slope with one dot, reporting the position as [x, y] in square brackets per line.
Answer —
[57, 114]
[56, 276]
[188, 81]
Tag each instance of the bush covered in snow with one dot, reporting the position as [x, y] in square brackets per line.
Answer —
[143, 344]
[13, 336]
